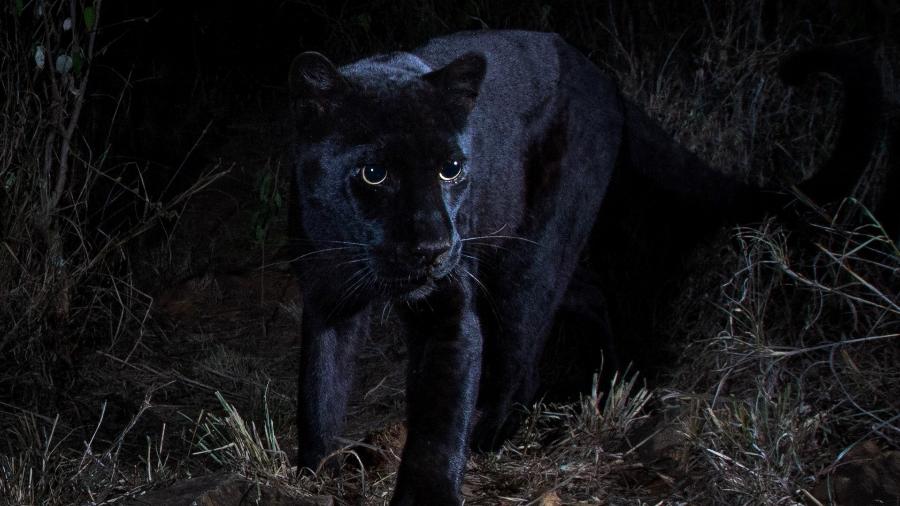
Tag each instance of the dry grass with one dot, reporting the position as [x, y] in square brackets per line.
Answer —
[47, 466]
[237, 444]
[65, 277]
[571, 452]
[66, 283]
[803, 369]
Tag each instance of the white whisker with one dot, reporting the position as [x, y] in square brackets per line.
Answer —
[484, 290]
[305, 255]
[386, 311]
[352, 289]
[524, 239]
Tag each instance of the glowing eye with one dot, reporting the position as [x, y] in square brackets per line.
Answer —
[373, 174]
[451, 170]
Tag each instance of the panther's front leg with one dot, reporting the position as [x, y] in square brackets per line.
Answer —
[327, 355]
[442, 387]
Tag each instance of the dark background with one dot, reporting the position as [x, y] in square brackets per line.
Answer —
[189, 65]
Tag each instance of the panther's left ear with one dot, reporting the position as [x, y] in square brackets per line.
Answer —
[315, 86]
[460, 80]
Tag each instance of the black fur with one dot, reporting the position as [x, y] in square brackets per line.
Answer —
[485, 266]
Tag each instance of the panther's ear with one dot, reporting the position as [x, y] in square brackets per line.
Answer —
[314, 83]
[460, 81]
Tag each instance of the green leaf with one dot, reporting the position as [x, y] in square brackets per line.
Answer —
[19, 8]
[264, 186]
[90, 17]
[77, 61]
[364, 21]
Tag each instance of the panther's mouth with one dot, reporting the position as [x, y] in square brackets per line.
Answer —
[418, 284]
[412, 287]
[421, 291]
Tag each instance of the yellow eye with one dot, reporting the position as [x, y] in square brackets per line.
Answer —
[373, 174]
[450, 170]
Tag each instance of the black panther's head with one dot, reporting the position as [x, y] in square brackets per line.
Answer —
[382, 162]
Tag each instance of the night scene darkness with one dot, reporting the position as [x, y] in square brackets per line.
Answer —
[438, 253]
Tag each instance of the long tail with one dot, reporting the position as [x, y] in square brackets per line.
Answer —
[653, 156]
[663, 201]
[862, 115]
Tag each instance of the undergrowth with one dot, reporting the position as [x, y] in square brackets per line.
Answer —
[804, 369]
[66, 284]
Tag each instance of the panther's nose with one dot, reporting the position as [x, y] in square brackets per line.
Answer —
[433, 254]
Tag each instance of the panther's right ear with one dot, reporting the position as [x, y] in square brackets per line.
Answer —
[314, 83]
[460, 81]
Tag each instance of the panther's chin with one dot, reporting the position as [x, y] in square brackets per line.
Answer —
[421, 291]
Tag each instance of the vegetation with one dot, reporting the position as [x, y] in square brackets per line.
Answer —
[148, 324]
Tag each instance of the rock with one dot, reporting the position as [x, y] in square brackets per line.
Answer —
[382, 448]
[866, 475]
[550, 499]
[666, 449]
[222, 490]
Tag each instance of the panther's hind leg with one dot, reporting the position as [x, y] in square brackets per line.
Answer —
[580, 351]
